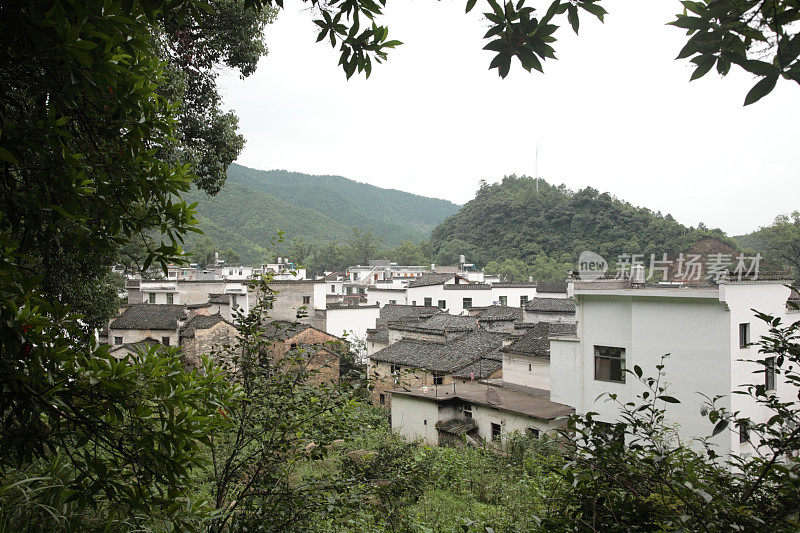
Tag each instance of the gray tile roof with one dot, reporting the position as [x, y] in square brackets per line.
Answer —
[467, 287]
[514, 401]
[457, 426]
[510, 285]
[144, 344]
[200, 322]
[430, 279]
[392, 313]
[150, 316]
[282, 329]
[481, 369]
[438, 324]
[550, 305]
[223, 299]
[495, 313]
[449, 357]
[536, 342]
[552, 286]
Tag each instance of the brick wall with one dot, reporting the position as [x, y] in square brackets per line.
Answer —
[206, 341]
[382, 380]
[320, 353]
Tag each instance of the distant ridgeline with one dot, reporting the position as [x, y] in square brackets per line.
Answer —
[255, 204]
[515, 219]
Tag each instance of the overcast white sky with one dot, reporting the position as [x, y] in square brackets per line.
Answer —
[615, 112]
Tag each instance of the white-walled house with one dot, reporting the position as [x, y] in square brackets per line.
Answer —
[704, 329]
[381, 296]
[473, 414]
[351, 322]
[513, 294]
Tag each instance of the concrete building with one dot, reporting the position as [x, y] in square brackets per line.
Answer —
[707, 331]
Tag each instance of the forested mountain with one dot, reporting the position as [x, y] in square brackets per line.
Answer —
[393, 215]
[517, 220]
[246, 220]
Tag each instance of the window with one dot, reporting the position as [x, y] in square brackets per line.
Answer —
[467, 303]
[467, 410]
[428, 302]
[333, 288]
[393, 302]
[151, 297]
[233, 302]
[532, 432]
[495, 431]
[165, 341]
[306, 300]
[523, 300]
[744, 335]
[744, 431]
[362, 290]
[530, 367]
[769, 373]
[438, 379]
[394, 369]
[442, 304]
[117, 341]
[504, 301]
[609, 364]
[170, 298]
[382, 399]
[414, 302]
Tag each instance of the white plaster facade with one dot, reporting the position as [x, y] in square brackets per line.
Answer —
[354, 321]
[698, 327]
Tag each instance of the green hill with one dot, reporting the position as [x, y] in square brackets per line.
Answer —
[247, 220]
[516, 220]
[395, 216]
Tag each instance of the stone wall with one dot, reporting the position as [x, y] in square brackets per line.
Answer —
[382, 380]
[207, 341]
[320, 353]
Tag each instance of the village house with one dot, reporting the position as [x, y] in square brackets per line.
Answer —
[707, 330]
[489, 407]
[144, 325]
[473, 414]
[434, 352]
[378, 337]
[320, 351]
[546, 309]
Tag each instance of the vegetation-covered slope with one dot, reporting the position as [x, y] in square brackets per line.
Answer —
[394, 216]
[247, 220]
[515, 220]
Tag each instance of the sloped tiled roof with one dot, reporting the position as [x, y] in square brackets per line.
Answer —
[457, 426]
[430, 279]
[536, 342]
[509, 285]
[495, 313]
[200, 322]
[550, 305]
[150, 316]
[449, 357]
[480, 369]
[552, 286]
[438, 324]
[282, 329]
[467, 287]
[392, 313]
[223, 299]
